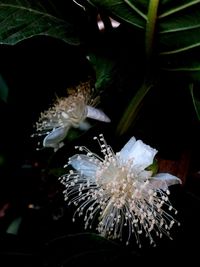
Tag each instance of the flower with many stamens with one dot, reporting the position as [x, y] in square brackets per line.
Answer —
[120, 192]
[68, 112]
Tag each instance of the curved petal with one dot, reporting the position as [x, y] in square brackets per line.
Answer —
[141, 154]
[55, 137]
[124, 152]
[84, 165]
[164, 180]
[97, 114]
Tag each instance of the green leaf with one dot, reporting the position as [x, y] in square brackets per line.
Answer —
[22, 19]
[179, 37]
[153, 167]
[3, 89]
[125, 10]
[104, 68]
[176, 36]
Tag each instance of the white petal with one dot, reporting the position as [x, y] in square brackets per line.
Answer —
[55, 137]
[141, 154]
[97, 114]
[164, 180]
[84, 165]
[124, 153]
[169, 178]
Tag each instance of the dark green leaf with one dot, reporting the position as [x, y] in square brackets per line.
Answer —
[133, 12]
[179, 36]
[104, 68]
[186, 64]
[21, 19]
[177, 32]
[3, 89]
[86, 249]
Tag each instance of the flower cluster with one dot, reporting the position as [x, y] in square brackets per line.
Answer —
[119, 192]
[69, 112]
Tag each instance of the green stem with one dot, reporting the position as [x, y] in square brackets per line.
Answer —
[150, 27]
[133, 107]
[131, 111]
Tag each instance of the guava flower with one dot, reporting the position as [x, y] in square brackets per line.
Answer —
[68, 112]
[118, 193]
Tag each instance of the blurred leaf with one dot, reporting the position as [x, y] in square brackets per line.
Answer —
[3, 89]
[57, 172]
[196, 101]
[13, 228]
[21, 19]
[133, 108]
[104, 68]
[2, 160]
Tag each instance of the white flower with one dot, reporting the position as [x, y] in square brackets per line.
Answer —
[119, 191]
[68, 112]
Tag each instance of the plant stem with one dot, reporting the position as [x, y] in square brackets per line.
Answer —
[134, 105]
[150, 28]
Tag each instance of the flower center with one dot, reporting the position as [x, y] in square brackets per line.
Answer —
[116, 180]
